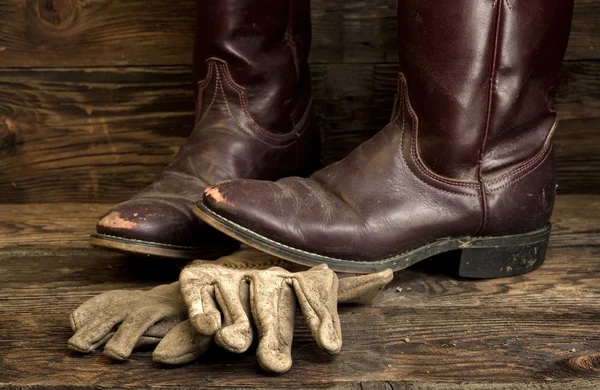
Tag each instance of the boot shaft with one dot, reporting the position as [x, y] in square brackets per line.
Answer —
[265, 45]
[482, 77]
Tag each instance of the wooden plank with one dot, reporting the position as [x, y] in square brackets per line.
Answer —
[427, 330]
[101, 134]
[59, 33]
[88, 133]
[585, 31]
[47, 228]
[577, 148]
[543, 340]
[69, 33]
[452, 346]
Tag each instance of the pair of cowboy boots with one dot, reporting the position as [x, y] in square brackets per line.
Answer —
[465, 164]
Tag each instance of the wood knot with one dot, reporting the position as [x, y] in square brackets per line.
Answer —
[8, 135]
[584, 363]
[55, 12]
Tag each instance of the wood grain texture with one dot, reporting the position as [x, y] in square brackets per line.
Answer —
[427, 330]
[101, 134]
[84, 134]
[82, 33]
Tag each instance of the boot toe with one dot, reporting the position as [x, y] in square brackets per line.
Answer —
[295, 212]
[163, 221]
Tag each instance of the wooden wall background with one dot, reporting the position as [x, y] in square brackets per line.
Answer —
[96, 96]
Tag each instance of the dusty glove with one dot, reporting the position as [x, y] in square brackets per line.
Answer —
[143, 318]
[155, 317]
[222, 296]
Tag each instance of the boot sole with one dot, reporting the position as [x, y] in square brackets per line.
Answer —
[480, 257]
[155, 249]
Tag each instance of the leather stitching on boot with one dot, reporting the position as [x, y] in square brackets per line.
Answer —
[403, 90]
[541, 154]
[521, 177]
[401, 107]
[222, 89]
[244, 103]
[201, 86]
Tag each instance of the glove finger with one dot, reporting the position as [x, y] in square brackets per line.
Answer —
[205, 314]
[108, 303]
[183, 344]
[198, 293]
[94, 333]
[151, 337]
[145, 341]
[236, 335]
[273, 307]
[121, 345]
[363, 288]
[317, 290]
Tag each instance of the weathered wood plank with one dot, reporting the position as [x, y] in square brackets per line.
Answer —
[96, 129]
[101, 134]
[47, 228]
[545, 344]
[577, 149]
[427, 330]
[59, 33]
[72, 33]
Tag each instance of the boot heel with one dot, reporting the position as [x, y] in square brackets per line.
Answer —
[497, 257]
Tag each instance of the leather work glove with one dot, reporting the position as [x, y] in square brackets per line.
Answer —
[144, 318]
[223, 295]
[159, 316]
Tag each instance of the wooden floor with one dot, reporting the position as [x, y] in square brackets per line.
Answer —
[426, 331]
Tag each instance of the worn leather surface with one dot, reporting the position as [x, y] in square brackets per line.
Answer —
[254, 118]
[225, 297]
[267, 295]
[142, 318]
[250, 287]
[468, 150]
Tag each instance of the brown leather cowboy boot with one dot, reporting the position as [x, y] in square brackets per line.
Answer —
[465, 164]
[254, 120]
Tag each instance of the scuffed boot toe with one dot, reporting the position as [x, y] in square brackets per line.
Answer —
[135, 225]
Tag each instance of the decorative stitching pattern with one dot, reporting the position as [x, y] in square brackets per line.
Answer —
[201, 85]
[204, 82]
[403, 102]
[523, 176]
[414, 151]
[219, 84]
[421, 165]
[522, 168]
[214, 98]
[244, 103]
[218, 67]
[532, 161]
